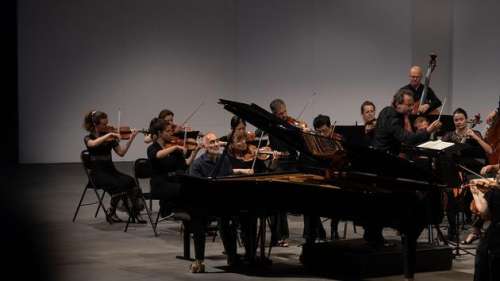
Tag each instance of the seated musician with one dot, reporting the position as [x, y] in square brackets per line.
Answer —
[313, 228]
[486, 193]
[368, 113]
[421, 124]
[416, 87]
[477, 148]
[389, 135]
[99, 142]
[205, 166]
[167, 157]
[166, 115]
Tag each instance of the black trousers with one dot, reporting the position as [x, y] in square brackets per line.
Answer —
[279, 227]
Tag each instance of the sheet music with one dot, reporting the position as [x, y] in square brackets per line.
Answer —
[436, 145]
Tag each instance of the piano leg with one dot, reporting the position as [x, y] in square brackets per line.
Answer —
[409, 248]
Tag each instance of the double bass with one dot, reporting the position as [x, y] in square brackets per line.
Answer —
[427, 80]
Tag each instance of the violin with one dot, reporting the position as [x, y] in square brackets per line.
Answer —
[296, 123]
[124, 131]
[189, 143]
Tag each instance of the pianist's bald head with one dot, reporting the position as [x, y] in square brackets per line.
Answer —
[208, 137]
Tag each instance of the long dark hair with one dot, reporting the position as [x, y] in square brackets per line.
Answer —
[93, 118]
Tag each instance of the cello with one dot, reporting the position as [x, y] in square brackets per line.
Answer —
[492, 137]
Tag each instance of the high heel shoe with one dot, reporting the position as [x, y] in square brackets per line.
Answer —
[112, 217]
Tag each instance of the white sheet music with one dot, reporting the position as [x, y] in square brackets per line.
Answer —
[436, 145]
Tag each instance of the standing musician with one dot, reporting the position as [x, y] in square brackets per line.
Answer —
[99, 142]
[167, 156]
[416, 87]
[389, 131]
[279, 223]
[486, 193]
[476, 148]
[389, 134]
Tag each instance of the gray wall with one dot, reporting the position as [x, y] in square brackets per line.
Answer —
[142, 56]
[476, 56]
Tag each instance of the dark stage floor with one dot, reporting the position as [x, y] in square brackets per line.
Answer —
[91, 249]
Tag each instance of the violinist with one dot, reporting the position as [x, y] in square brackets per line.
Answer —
[487, 202]
[432, 102]
[99, 142]
[166, 115]
[474, 148]
[167, 157]
[368, 113]
[313, 228]
[279, 222]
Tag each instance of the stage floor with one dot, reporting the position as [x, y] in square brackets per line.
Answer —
[91, 249]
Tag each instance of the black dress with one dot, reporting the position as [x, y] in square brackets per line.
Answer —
[487, 263]
[103, 171]
[162, 183]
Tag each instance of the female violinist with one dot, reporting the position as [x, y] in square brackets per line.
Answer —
[476, 147]
[167, 157]
[99, 142]
[166, 115]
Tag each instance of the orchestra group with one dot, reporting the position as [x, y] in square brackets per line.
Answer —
[171, 152]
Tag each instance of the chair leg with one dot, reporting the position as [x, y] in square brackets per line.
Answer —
[80, 203]
[156, 222]
[100, 205]
[148, 211]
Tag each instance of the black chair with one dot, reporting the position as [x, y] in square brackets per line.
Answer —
[143, 170]
[85, 158]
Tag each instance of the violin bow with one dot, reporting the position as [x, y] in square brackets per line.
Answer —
[193, 113]
[470, 171]
[306, 105]
[257, 151]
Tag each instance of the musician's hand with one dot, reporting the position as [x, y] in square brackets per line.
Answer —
[491, 117]
[244, 171]
[134, 133]
[470, 133]
[181, 148]
[423, 108]
[487, 169]
[434, 126]
[111, 136]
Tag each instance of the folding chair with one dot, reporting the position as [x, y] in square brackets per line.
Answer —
[143, 170]
[85, 158]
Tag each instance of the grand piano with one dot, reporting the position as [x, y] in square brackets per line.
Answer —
[348, 182]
